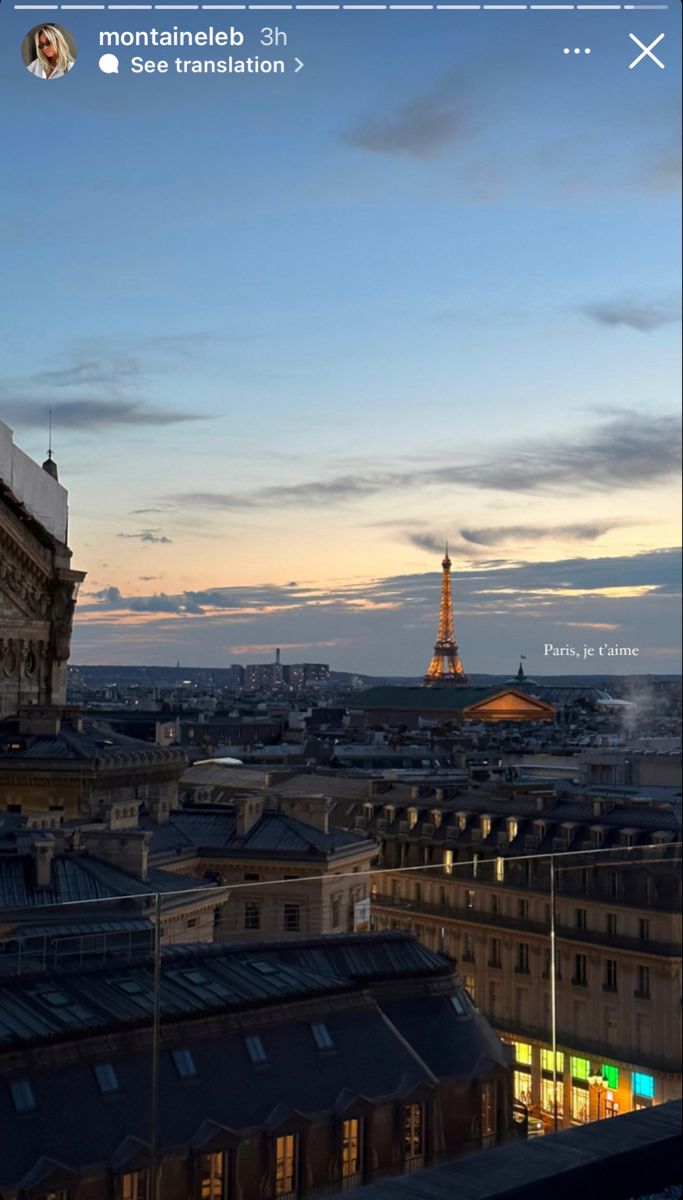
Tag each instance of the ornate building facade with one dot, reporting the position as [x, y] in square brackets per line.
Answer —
[38, 586]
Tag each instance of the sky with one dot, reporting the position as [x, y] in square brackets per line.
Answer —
[298, 331]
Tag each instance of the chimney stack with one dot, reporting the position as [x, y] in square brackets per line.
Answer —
[43, 854]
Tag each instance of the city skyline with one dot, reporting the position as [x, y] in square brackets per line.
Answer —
[443, 305]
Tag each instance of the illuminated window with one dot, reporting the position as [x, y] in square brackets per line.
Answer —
[413, 1132]
[547, 1061]
[611, 1074]
[469, 898]
[462, 822]
[412, 818]
[470, 985]
[285, 1165]
[581, 1068]
[448, 862]
[135, 1185]
[522, 1085]
[351, 1148]
[485, 826]
[437, 817]
[500, 870]
[513, 828]
[522, 1053]
[580, 1104]
[213, 1176]
[551, 1096]
[643, 1085]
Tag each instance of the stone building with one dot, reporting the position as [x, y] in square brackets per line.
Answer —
[288, 869]
[471, 875]
[286, 1070]
[38, 586]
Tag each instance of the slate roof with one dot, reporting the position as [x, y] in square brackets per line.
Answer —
[439, 699]
[78, 878]
[274, 833]
[96, 741]
[371, 1056]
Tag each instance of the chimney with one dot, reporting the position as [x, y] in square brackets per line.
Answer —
[158, 809]
[248, 810]
[310, 810]
[40, 720]
[43, 854]
[126, 849]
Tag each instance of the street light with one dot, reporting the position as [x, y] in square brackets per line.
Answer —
[599, 1082]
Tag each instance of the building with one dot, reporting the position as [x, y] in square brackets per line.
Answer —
[408, 705]
[38, 586]
[292, 1069]
[288, 870]
[484, 896]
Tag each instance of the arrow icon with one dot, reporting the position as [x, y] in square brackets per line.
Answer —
[299, 65]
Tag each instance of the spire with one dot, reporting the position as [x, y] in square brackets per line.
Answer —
[445, 665]
[50, 465]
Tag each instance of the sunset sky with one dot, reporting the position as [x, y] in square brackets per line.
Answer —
[297, 332]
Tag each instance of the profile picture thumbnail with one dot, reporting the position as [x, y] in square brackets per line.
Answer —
[49, 51]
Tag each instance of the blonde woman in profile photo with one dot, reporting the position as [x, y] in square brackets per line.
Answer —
[53, 55]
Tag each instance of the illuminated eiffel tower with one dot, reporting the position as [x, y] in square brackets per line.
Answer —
[445, 666]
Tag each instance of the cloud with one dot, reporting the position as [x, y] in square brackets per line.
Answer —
[89, 414]
[625, 450]
[148, 535]
[426, 541]
[640, 315]
[419, 127]
[587, 531]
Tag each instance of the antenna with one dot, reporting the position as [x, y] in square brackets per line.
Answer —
[49, 448]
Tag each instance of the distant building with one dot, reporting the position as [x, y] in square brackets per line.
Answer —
[461, 703]
[283, 1070]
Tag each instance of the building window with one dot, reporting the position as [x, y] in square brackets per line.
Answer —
[610, 984]
[495, 952]
[413, 1132]
[470, 986]
[500, 870]
[252, 915]
[580, 976]
[615, 885]
[184, 1063]
[469, 898]
[485, 826]
[352, 1149]
[580, 1068]
[611, 1074]
[448, 862]
[522, 958]
[335, 911]
[644, 929]
[322, 1037]
[611, 1106]
[580, 1104]
[523, 910]
[106, 1077]
[488, 1114]
[468, 947]
[291, 922]
[255, 1049]
[213, 1176]
[643, 991]
[552, 1096]
[612, 924]
[135, 1185]
[513, 828]
[495, 904]
[522, 1087]
[547, 961]
[286, 1148]
[522, 1053]
[579, 918]
[547, 1061]
[643, 1085]
[23, 1097]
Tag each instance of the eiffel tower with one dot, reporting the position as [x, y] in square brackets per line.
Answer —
[445, 666]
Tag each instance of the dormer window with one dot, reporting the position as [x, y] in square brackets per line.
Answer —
[448, 862]
[485, 823]
[462, 821]
[412, 818]
[436, 816]
[597, 836]
[513, 828]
